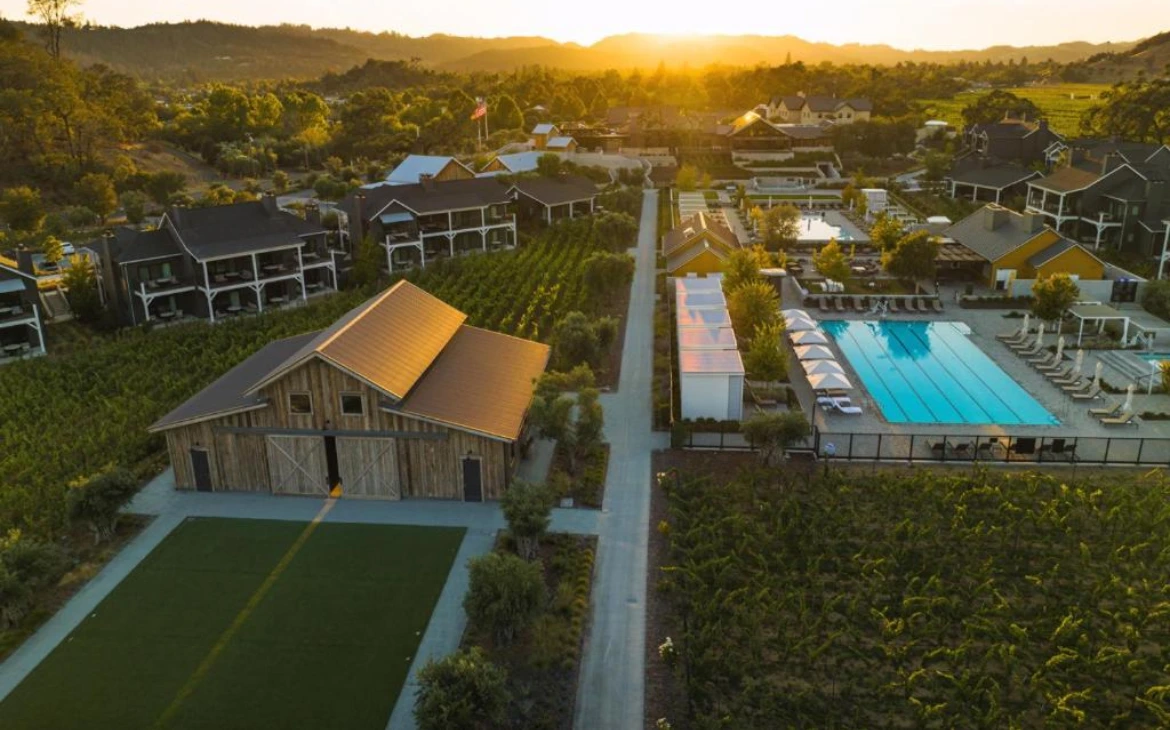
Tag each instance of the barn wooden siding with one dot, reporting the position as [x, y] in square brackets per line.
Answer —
[413, 468]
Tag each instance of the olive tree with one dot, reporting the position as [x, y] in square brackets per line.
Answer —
[505, 594]
[1052, 295]
[528, 510]
[775, 433]
[463, 691]
[98, 502]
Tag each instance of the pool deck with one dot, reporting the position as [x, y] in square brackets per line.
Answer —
[985, 325]
[852, 234]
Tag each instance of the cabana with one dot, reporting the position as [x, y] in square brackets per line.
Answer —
[1099, 313]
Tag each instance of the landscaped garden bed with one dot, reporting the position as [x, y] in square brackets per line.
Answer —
[543, 662]
[922, 598]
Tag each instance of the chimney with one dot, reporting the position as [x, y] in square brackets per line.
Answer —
[24, 261]
[1043, 125]
[357, 221]
[313, 213]
[994, 216]
[427, 181]
[1110, 162]
[1032, 222]
[1076, 155]
[269, 201]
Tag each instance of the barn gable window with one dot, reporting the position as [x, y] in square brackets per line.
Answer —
[352, 404]
[300, 404]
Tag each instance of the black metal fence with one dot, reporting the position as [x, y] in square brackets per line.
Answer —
[960, 448]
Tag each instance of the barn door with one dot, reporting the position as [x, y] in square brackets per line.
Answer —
[472, 480]
[368, 467]
[297, 465]
[201, 467]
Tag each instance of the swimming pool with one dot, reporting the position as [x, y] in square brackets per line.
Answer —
[1157, 357]
[816, 228]
[931, 372]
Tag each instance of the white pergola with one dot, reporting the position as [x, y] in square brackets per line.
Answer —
[1099, 313]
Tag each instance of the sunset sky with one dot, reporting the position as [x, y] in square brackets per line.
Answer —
[931, 24]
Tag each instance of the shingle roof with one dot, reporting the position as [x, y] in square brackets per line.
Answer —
[135, 245]
[822, 103]
[409, 170]
[558, 142]
[482, 381]
[1011, 233]
[801, 131]
[793, 102]
[1042, 257]
[544, 128]
[230, 392]
[433, 197]
[698, 224]
[997, 176]
[1067, 179]
[389, 341]
[558, 190]
[1005, 130]
[226, 230]
[860, 104]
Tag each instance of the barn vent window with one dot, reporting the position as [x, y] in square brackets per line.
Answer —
[353, 404]
[300, 404]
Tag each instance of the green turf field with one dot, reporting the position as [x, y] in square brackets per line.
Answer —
[1062, 103]
[183, 642]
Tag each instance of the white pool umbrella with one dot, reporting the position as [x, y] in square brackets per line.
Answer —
[1079, 362]
[1024, 329]
[814, 352]
[822, 367]
[1039, 337]
[1127, 407]
[1097, 375]
[830, 381]
[808, 337]
[1059, 348]
[799, 324]
[788, 313]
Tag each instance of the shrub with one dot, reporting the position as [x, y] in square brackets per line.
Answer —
[98, 502]
[528, 508]
[463, 691]
[505, 594]
[26, 565]
[1157, 299]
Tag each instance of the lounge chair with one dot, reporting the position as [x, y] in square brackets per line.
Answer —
[1105, 411]
[962, 451]
[1051, 367]
[939, 447]
[858, 305]
[1030, 353]
[1043, 358]
[936, 304]
[1074, 387]
[850, 410]
[894, 306]
[838, 305]
[823, 303]
[1023, 345]
[1125, 419]
[1090, 394]
[1065, 374]
[1018, 336]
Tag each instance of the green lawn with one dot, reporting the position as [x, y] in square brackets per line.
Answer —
[1062, 103]
[329, 645]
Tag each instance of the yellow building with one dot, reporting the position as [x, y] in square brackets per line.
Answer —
[700, 246]
[1019, 246]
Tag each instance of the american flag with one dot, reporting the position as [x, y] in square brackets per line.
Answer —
[480, 108]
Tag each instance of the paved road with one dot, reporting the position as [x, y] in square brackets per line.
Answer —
[610, 692]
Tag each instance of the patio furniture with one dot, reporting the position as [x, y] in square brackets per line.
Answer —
[276, 300]
[1023, 345]
[1111, 410]
[823, 304]
[1075, 386]
[1030, 353]
[838, 306]
[990, 449]
[937, 305]
[166, 315]
[1125, 419]
[1023, 447]
[893, 306]
[1052, 366]
[1043, 358]
[1090, 394]
[939, 447]
[245, 275]
[858, 305]
[963, 451]
[1056, 450]
[1068, 375]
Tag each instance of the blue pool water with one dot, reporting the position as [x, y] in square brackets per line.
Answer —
[1157, 357]
[931, 372]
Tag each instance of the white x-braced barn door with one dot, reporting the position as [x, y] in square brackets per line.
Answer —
[297, 465]
[368, 467]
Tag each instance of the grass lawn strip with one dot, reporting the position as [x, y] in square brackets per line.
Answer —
[330, 645]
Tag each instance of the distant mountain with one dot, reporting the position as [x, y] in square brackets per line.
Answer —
[1151, 57]
[205, 51]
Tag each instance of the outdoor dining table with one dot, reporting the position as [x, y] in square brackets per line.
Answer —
[276, 300]
[234, 309]
[16, 347]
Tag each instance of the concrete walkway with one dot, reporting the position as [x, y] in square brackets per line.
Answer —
[610, 691]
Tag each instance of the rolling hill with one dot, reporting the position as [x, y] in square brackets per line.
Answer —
[206, 51]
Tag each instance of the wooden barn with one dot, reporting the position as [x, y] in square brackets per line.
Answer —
[399, 398]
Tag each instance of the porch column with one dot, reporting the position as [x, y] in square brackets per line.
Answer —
[451, 243]
[483, 233]
[997, 194]
[301, 270]
[591, 206]
[548, 214]
[389, 254]
[1081, 331]
[1097, 243]
[145, 301]
[255, 269]
[258, 290]
[422, 254]
[36, 325]
[210, 304]
[1165, 245]
[974, 193]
